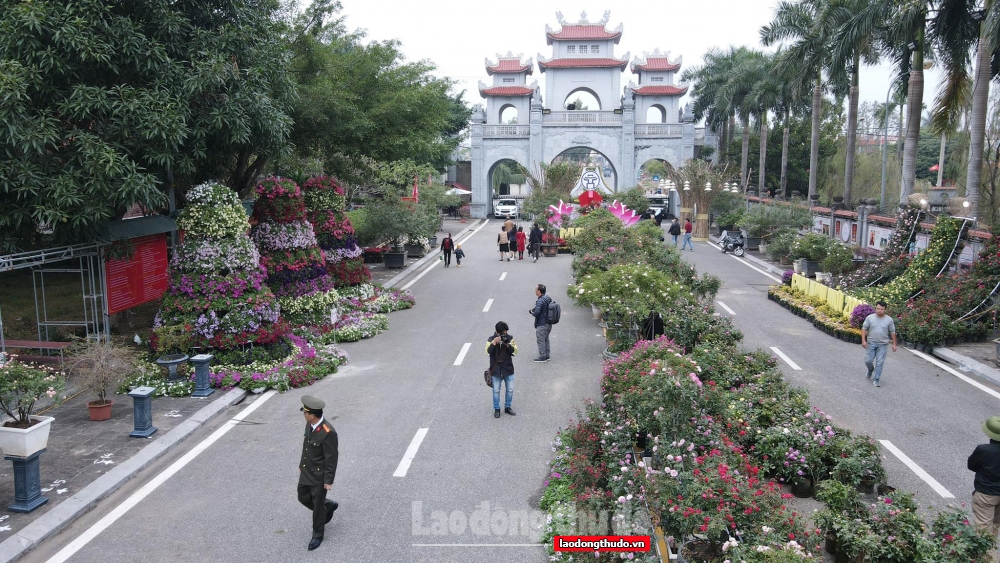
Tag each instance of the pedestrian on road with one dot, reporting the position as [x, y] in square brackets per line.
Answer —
[318, 467]
[521, 239]
[447, 245]
[459, 254]
[542, 326]
[985, 461]
[877, 332]
[687, 235]
[503, 243]
[675, 230]
[508, 226]
[502, 349]
[534, 241]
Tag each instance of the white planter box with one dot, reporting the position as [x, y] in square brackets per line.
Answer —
[23, 442]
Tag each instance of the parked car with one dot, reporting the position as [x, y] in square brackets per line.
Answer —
[505, 207]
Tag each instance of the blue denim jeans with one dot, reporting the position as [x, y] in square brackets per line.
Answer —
[675, 239]
[876, 354]
[508, 381]
[687, 242]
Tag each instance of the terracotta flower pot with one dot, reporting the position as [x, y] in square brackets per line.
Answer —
[100, 411]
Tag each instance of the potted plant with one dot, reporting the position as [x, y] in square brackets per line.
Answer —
[837, 262]
[22, 384]
[809, 251]
[550, 244]
[101, 366]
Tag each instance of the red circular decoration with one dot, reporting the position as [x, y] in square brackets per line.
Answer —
[590, 197]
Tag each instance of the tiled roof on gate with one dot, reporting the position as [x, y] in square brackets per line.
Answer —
[657, 64]
[510, 64]
[506, 91]
[582, 63]
[660, 91]
[584, 32]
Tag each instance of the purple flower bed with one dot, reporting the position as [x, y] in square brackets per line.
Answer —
[860, 313]
[786, 278]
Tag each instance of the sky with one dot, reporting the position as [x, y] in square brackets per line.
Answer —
[457, 35]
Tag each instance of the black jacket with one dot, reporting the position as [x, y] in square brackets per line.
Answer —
[535, 235]
[318, 465]
[985, 461]
[541, 310]
[675, 229]
[501, 356]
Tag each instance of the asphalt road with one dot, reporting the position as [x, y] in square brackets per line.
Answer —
[930, 415]
[236, 502]
[474, 481]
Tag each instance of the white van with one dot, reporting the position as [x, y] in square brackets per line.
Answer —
[505, 208]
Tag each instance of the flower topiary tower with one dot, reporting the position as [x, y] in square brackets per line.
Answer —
[325, 202]
[296, 265]
[217, 298]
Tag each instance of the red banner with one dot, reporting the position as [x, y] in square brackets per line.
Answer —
[139, 279]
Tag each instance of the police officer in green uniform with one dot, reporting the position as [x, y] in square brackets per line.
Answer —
[317, 467]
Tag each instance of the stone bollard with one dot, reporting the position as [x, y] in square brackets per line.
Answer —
[202, 386]
[142, 408]
[27, 482]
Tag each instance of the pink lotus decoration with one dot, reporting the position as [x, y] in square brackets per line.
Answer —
[558, 211]
[627, 216]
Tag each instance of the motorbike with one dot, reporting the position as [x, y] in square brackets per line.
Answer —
[732, 243]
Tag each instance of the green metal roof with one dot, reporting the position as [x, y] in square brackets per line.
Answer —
[124, 229]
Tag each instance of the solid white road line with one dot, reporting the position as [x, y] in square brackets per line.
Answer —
[461, 355]
[503, 276]
[726, 307]
[422, 274]
[486, 309]
[436, 262]
[938, 488]
[747, 264]
[956, 373]
[411, 452]
[788, 360]
[119, 511]
[476, 230]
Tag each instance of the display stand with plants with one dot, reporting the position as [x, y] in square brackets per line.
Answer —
[325, 204]
[217, 300]
[295, 263]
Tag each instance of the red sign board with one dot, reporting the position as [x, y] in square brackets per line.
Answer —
[139, 279]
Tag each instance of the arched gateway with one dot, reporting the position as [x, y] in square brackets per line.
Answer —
[621, 129]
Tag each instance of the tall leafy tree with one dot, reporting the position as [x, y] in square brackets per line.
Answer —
[104, 105]
[363, 99]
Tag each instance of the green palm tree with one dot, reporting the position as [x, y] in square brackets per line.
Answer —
[807, 28]
[899, 29]
[849, 52]
[747, 71]
[957, 28]
[709, 97]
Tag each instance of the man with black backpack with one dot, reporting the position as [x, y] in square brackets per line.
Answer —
[546, 313]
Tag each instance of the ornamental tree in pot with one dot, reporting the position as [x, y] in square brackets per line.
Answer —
[22, 384]
[101, 367]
